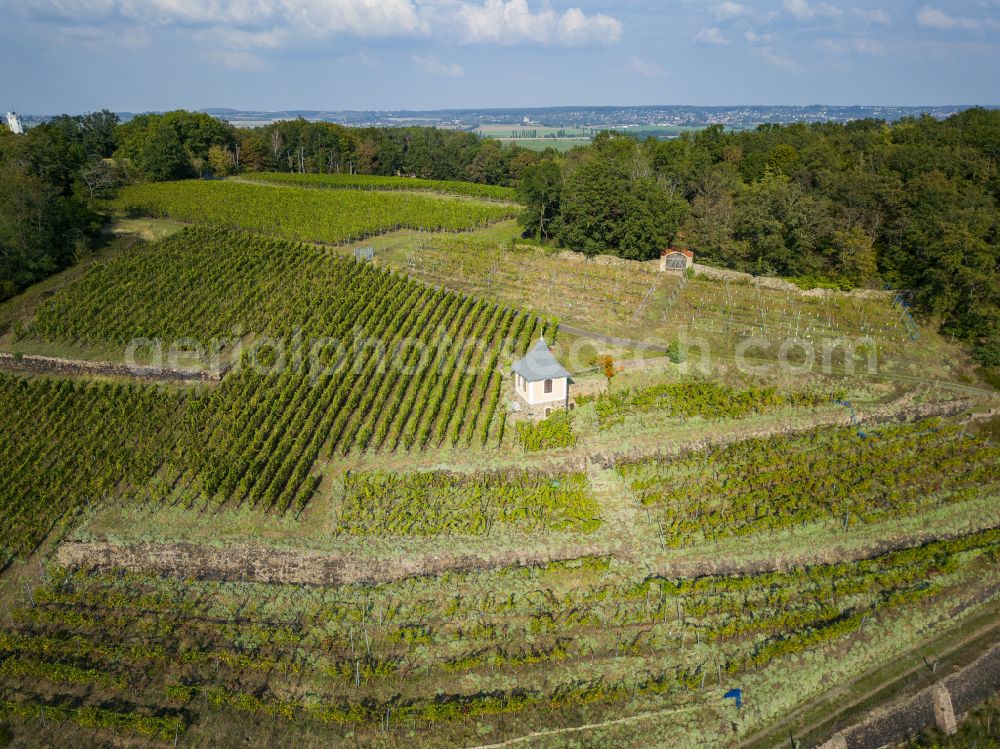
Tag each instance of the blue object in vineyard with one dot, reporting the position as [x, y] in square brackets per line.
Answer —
[854, 418]
[734, 694]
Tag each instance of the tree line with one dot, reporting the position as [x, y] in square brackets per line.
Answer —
[53, 177]
[910, 205]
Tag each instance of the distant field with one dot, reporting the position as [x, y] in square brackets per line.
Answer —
[516, 131]
[540, 137]
[329, 216]
[368, 182]
[540, 144]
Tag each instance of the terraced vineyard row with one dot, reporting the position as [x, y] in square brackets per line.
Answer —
[372, 182]
[749, 309]
[328, 216]
[435, 504]
[591, 294]
[488, 656]
[707, 400]
[65, 444]
[829, 474]
[344, 356]
[201, 284]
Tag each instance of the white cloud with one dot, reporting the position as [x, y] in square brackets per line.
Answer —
[367, 18]
[513, 22]
[932, 18]
[803, 11]
[133, 37]
[753, 37]
[779, 59]
[711, 35]
[646, 68]
[432, 65]
[729, 11]
[876, 17]
[238, 60]
[238, 39]
[860, 45]
[830, 45]
[195, 12]
[75, 9]
[867, 46]
[468, 21]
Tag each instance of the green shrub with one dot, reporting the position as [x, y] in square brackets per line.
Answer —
[549, 434]
[987, 352]
[677, 352]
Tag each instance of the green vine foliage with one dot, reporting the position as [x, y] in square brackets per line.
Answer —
[371, 182]
[330, 216]
[65, 444]
[551, 433]
[435, 504]
[828, 474]
[400, 373]
[436, 655]
[707, 400]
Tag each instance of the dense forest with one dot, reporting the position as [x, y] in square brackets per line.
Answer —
[911, 205]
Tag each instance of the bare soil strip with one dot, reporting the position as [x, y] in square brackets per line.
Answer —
[588, 727]
[51, 365]
[610, 339]
[256, 562]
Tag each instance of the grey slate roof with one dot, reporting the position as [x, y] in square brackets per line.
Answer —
[540, 364]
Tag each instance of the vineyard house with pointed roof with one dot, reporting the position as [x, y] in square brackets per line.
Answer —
[539, 378]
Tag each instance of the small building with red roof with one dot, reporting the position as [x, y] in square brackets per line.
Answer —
[675, 259]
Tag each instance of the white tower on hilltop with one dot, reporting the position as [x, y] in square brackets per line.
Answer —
[14, 123]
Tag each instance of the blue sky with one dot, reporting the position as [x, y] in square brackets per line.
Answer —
[79, 55]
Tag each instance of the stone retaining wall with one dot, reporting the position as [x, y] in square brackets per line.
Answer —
[910, 716]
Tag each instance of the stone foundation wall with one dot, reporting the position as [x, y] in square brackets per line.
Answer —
[536, 411]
